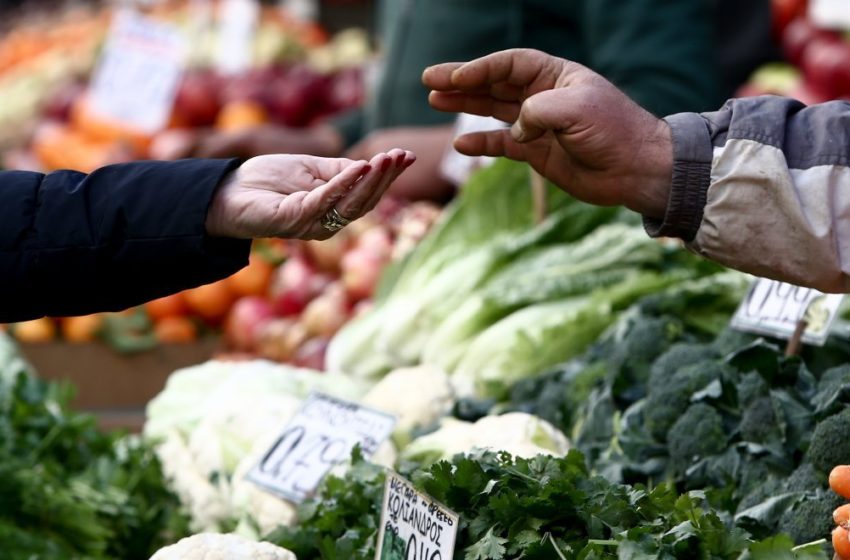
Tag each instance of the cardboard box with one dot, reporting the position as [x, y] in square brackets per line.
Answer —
[116, 387]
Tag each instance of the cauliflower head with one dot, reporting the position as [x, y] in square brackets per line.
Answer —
[215, 546]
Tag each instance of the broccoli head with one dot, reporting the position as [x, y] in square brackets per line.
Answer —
[670, 393]
[758, 423]
[697, 433]
[830, 445]
[806, 479]
[680, 355]
[811, 518]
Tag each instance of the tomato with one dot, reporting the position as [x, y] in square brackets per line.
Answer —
[839, 481]
[841, 515]
[168, 306]
[175, 330]
[253, 280]
[210, 302]
[37, 330]
[81, 329]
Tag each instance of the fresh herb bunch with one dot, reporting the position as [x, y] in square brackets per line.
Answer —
[68, 490]
[540, 508]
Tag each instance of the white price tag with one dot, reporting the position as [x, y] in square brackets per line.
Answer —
[322, 434]
[413, 525]
[238, 21]
[830, 14]
[138, 74]
[774, 308]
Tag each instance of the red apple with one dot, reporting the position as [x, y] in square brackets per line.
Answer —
[377, 241]
[784, 12]
[273, 340]
[345, 91]
[326, 314]
[311, 354]
[244, 322]
[295, 97]
[826, 65]
[361, 271]
[197, 102]
[294, 284]
[798, 35]
[327, 254]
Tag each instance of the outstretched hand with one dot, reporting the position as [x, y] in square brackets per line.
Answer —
[573, 126]
[289, 195]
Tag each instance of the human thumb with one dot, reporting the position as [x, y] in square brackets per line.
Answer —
[547, 110]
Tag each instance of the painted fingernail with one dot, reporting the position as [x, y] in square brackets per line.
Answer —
[386, 164]
[366, 169]
[409, 162]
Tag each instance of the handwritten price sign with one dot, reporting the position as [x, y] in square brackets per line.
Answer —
[138, 74]
[413, 525]
[321, 435]
[775, 308]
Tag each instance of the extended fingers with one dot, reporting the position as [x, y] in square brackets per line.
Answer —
[369, 190]
[494, 143]
[519, 67]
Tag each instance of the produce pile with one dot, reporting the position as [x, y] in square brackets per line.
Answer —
[622, 419]
[815, 58]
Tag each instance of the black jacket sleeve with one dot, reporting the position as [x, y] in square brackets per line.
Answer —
[72, 244]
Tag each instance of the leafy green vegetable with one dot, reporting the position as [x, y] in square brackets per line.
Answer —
[68, 490]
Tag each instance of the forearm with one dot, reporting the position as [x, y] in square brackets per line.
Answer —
[763, 186]
[73, 244]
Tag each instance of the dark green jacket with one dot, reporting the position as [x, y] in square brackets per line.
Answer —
[658, 51]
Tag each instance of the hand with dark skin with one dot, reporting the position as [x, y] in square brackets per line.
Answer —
[573, 126]
[287, 195]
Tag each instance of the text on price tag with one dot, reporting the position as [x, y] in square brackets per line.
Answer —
[775, 308]
[138, 74]
[322, 434]
[414, 526]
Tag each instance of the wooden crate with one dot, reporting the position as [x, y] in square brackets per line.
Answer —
[115, 387]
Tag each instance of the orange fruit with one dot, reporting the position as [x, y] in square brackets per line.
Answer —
[841, 515]
[168, 306]
[241, 114]
[841, 542]
[839, 481]
[253, 280]
[210, 302]
[81, 329]
[175, 330]
[37, 330]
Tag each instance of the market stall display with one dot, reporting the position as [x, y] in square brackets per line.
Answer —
[568, 386]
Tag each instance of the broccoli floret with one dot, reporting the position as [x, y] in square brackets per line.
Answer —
[630, 360]
[806, 479]
[811, 518]
[758, 423]
[680, 355]
[670, 393]
[697, 433]
[830, 444]
[752, 386]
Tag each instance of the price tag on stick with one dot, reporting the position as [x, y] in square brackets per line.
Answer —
[776, 309]
[413, 525]
[138, 74]
[322, 434]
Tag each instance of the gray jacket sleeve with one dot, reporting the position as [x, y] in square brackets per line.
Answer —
[763, 186]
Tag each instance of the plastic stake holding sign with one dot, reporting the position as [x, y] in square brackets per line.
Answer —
[138, 74]
[775, 309]
[414, 526]
[321, 435]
